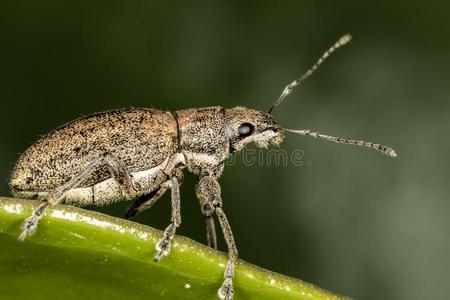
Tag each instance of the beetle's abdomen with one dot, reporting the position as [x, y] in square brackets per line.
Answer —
[140, 138]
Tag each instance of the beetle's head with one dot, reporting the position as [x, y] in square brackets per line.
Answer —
[246, 125]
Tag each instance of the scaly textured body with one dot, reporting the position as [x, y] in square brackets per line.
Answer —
[128, 133]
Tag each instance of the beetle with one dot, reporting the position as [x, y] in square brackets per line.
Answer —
[138, 154]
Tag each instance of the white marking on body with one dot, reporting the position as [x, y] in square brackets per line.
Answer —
[145, 178]
[262, 139]
[80, 195]
[197, 161]
[109, 190]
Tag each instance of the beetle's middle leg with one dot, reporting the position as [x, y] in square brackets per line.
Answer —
[207, 211]
[209, 189]
[118, 171]
[163, 246]
[144, 202]
[148, 200]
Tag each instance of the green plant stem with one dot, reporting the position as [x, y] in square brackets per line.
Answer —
[77, 252]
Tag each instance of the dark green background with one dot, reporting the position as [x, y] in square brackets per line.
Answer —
[350, 220]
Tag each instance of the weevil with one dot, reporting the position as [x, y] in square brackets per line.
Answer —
[138, 154]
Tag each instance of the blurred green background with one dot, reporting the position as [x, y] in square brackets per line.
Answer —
[350, 220]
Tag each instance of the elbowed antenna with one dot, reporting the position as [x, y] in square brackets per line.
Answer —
[288, 89]
[382, 148]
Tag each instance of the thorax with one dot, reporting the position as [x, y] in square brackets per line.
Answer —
[202, 138]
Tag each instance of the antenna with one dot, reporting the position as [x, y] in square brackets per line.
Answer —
[288, 89]
[382, 148]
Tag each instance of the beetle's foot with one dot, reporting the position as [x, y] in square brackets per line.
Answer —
[29, 226]
[163, 248]
[226, 290]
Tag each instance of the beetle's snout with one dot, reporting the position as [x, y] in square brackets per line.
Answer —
[272, 135]
[274, 129]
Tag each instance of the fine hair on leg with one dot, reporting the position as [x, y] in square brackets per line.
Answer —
[29, 226]
[226, 291]
[163, 246]
[209, 188]
[207, 211]
[211, 236]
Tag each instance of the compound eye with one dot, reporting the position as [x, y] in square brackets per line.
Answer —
[245, 129]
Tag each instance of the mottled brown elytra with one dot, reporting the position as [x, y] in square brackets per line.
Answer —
[138, 153]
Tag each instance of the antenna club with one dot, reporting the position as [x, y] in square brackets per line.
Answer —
[391, 152]
[345, 39]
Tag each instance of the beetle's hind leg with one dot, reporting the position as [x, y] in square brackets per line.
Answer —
[145, 202]
[118, 171]
[29, 226]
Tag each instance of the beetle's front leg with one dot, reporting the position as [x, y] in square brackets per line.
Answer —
[209, 189]
[163, 246]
